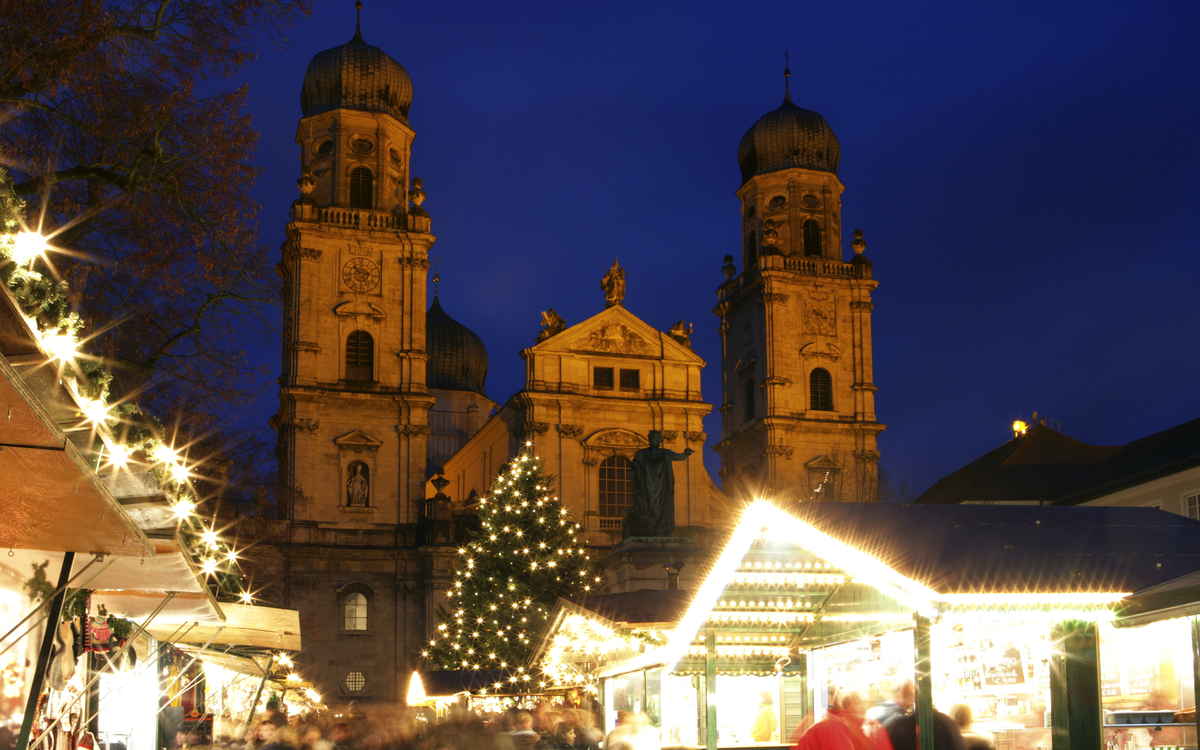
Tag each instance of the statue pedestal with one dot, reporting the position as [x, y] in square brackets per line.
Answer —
[656, 563]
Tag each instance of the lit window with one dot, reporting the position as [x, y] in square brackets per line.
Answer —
[360, 356]
[820, 386]
[616, 486]
[362, 188]
[355, 681]
[1191, 504]
[602, 378]
[355, 608]
[631, 380]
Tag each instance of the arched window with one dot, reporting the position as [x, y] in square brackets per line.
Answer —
[362, 188]
[820, 390]
[360, 356]
[812, 239]
[749, 386]
[751, 250]
[354, 608]
[616, 486]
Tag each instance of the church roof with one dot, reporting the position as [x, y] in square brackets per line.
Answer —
[787, 138]
[458, 359]
[356, 76]
[1038, 466]
[1046, 466]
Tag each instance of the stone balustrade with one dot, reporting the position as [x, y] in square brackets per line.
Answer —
[357, 218]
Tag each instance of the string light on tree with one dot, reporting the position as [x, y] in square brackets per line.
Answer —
[510, 574]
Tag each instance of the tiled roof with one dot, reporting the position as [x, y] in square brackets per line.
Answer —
[1038, 466]
[356, 76]
[458, 359]
[786, 138]
[1048, 467]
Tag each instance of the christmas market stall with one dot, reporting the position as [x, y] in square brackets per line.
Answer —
[108, 571]
[1068, 627]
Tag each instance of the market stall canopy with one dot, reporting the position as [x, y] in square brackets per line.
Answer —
[134, 587]
[255, 665]
[52, 499]
[246, 625]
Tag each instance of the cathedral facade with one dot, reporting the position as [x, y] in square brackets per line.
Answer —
[386, 432]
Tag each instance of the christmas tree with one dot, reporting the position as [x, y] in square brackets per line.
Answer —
[526, 553]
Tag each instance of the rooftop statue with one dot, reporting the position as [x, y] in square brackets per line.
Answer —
[552, 323]
[653, 509]
[613, 285]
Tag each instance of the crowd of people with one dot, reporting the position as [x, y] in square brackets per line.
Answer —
[850, 725]
[546, 728]
[847, 725]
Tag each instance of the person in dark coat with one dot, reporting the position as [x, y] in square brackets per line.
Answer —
[902, 730]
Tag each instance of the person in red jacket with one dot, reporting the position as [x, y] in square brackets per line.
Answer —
[845, 727]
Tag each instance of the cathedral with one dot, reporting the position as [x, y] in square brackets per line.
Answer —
[387, 434]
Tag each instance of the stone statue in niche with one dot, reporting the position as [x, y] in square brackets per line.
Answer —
[653, 509]
[552, 324]
[358, 486]
[613, 285]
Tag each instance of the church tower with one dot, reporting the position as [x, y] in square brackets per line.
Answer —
[798, 405]
[353, 403]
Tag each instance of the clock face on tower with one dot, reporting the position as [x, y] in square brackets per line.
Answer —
[360, 274]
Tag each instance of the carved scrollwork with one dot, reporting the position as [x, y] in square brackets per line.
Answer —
[779, 450]
[669, 435]
[614, 338]
[860, 305]
[773, 297]
[530, 430]
[777, 380]
[305, 346]
[591, 460]
[412, 429]
[570, 430]
[298, 425]
[408, 260]
[695, 437]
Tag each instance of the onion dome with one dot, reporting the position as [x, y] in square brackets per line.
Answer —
[787, 138]
[356, 76]
[458, 360]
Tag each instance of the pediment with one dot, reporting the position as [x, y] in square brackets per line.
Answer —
[617, 332]
[357, 439]
[616, 438]
[820, 349]
[355, 307]
[822, 463]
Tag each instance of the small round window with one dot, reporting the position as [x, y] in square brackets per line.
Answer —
[777, 202]
[811, 201]
[325, 148]
[361, 146]
[395, 155]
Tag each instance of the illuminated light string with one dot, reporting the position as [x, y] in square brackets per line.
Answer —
[59, 339]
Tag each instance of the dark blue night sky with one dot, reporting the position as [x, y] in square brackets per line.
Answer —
[1027, 176]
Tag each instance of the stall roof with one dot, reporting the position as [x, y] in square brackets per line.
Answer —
[999, 549]
[246, 625]
[51, 497]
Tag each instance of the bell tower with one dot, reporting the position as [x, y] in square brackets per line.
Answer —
[353, 422]
[354, 269]
[798, 406]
